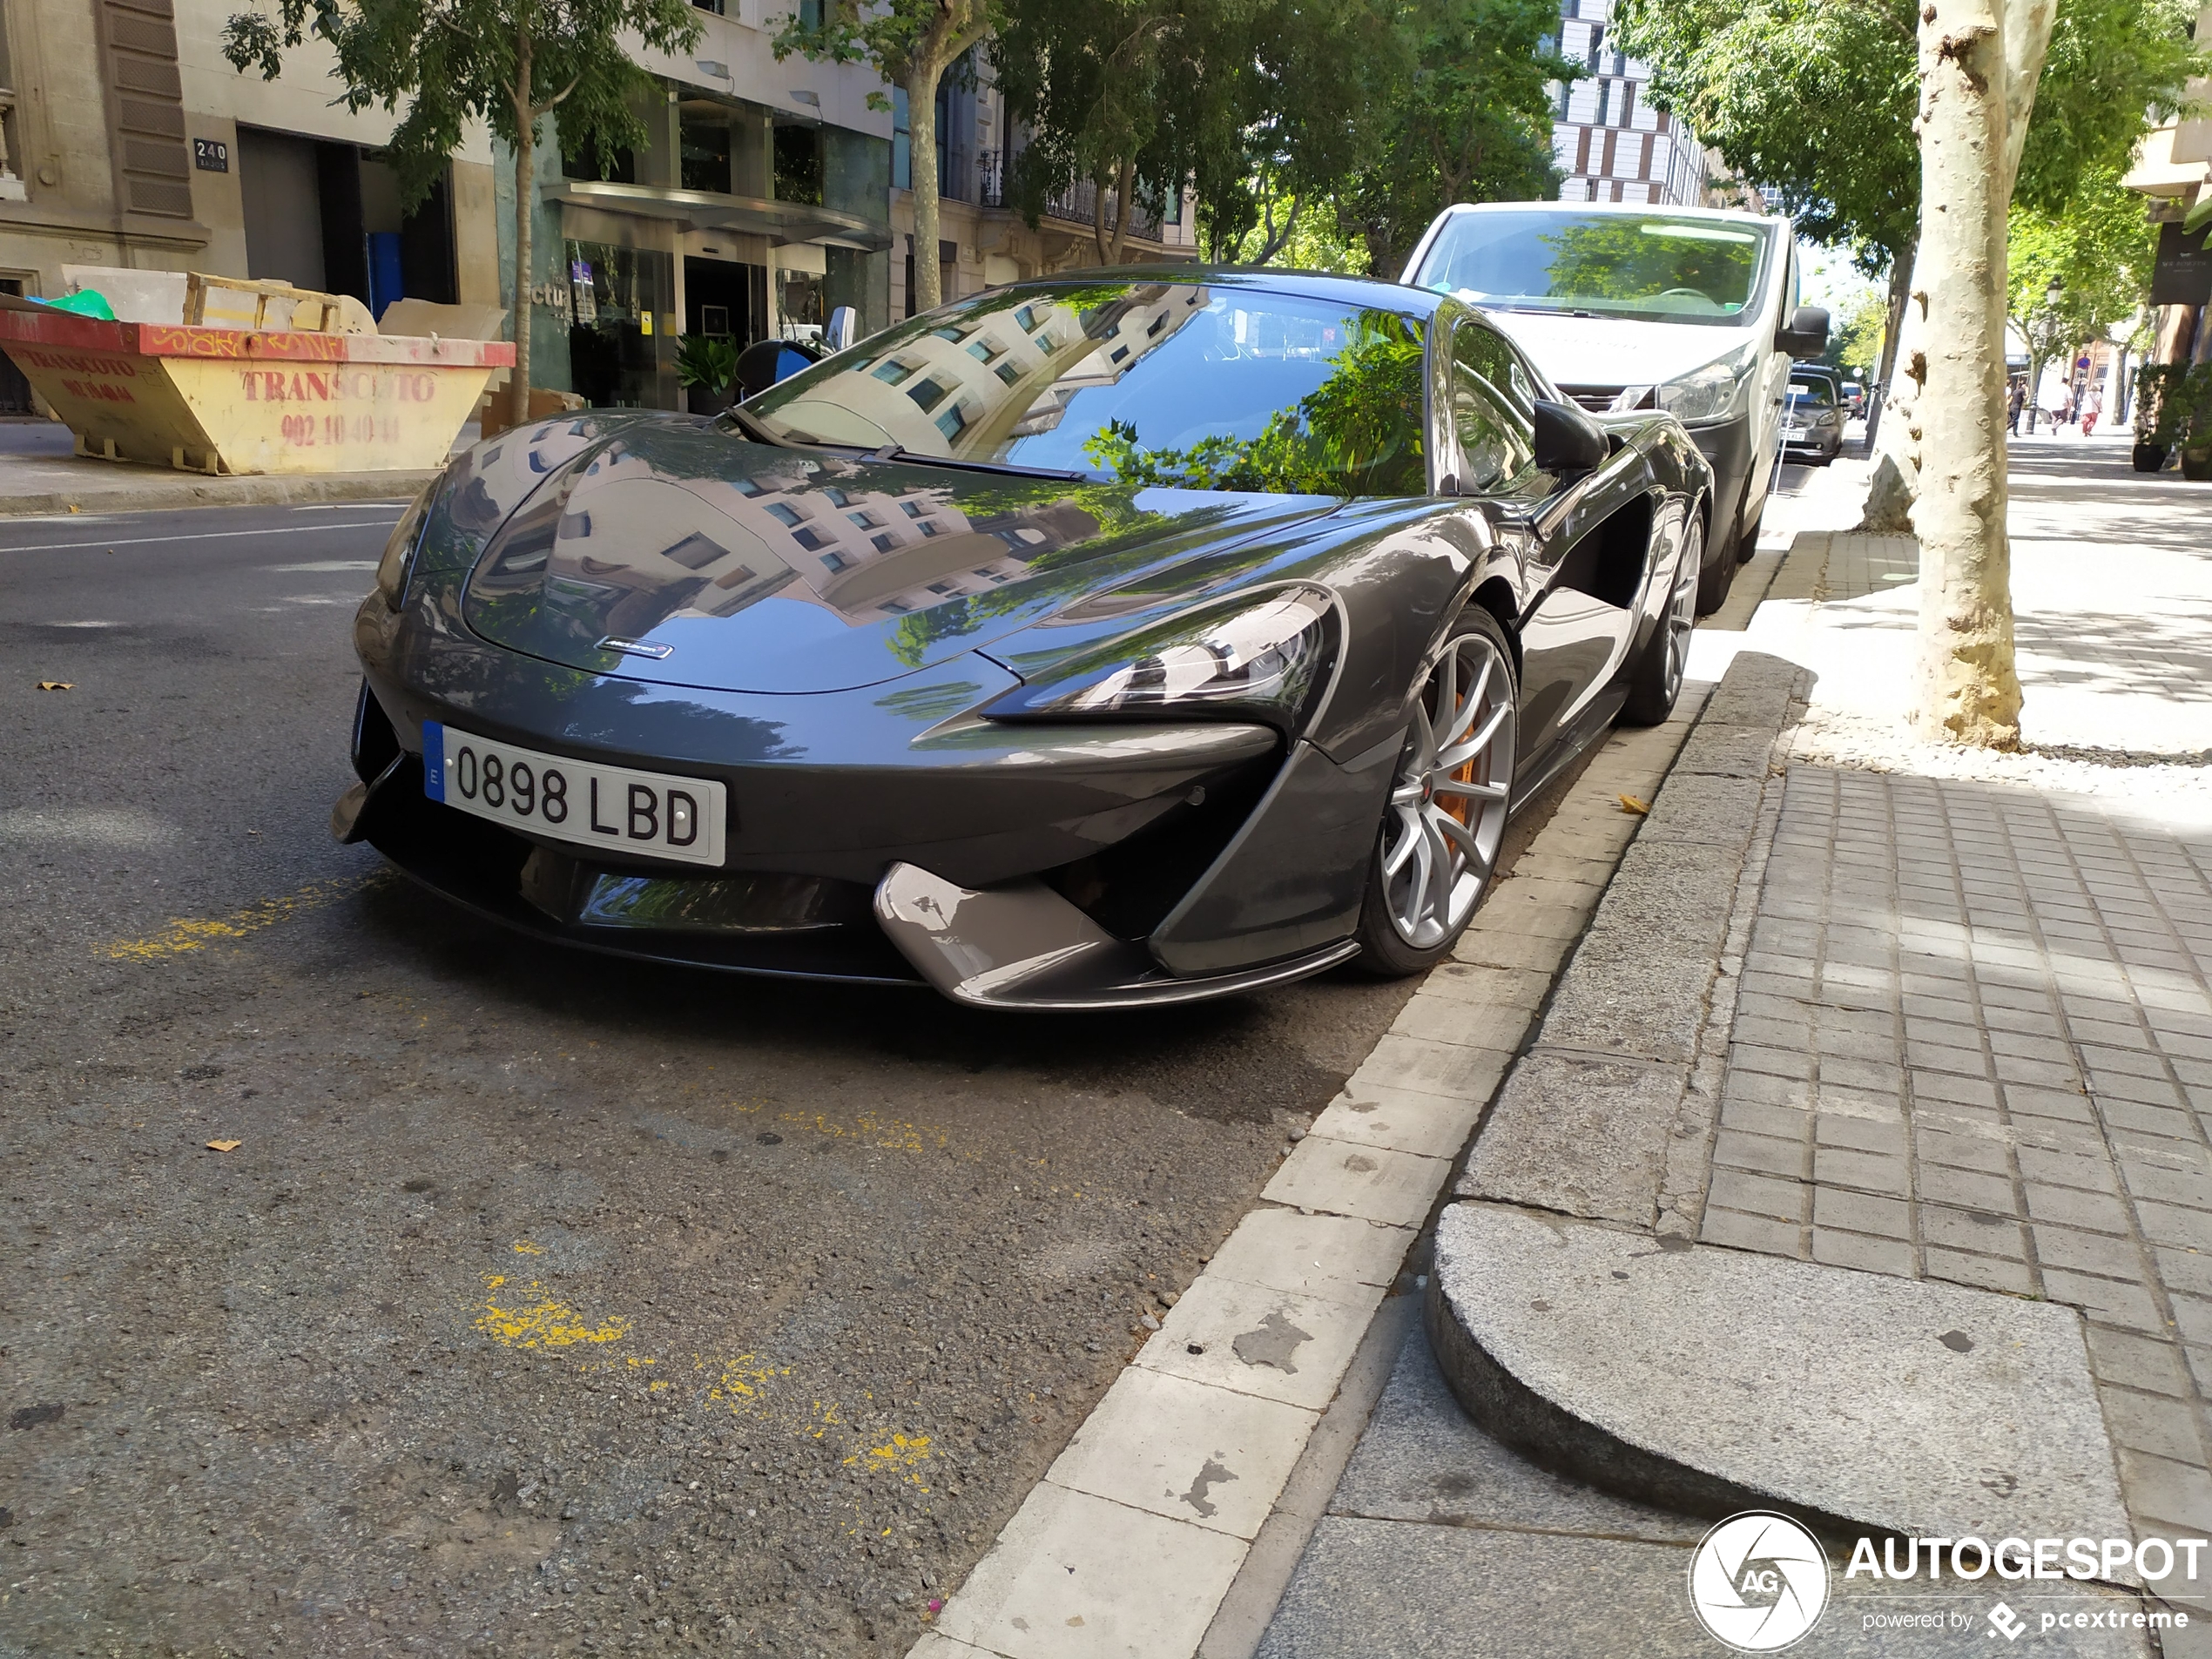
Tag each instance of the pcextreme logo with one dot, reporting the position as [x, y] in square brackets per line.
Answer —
[1758, 1581]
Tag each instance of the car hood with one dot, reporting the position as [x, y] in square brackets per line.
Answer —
[1608, 351]
[733, 566]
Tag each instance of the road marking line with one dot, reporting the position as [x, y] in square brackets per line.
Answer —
[186, 933]
[200, 535]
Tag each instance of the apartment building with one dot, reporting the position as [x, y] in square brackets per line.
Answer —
[759, 202]
[2173, 171]
[1611, 145]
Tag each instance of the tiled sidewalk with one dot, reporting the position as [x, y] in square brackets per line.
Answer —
[1972, 1042]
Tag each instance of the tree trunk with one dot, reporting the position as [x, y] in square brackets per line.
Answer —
[518, 399]
[1098, 218]
[921, 151]
[1900, 285]
[2035, 361]
[1125, 189]
[1968, 691]
[2024, 27]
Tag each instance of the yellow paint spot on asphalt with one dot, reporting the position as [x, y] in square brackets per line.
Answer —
[900, 1455]
[184, 934]
[545, 1323]
[523, 1247]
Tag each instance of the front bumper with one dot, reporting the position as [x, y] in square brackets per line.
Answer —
[1038, 866]
[1726, 446]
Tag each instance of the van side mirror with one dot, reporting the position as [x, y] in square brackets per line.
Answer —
[843, 329]
[1568, 440]
[766, 361]
[1806, 333]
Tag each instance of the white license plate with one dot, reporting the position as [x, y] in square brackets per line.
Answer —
[645, 815]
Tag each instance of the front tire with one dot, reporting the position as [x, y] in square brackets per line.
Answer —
[1655, 681]
[1440, 832]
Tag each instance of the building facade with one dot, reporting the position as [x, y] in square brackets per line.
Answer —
[129, 140]
[1610, 144]
[757, 204]
[2173, 170]
[982, 242]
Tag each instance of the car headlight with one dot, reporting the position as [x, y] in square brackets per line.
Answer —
[1715, 392]
[1265, 660]
[399, 551]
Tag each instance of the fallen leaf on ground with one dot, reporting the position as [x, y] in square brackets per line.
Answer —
[225, 1146]
[1630, 804]
[74, 507]
[57, 685]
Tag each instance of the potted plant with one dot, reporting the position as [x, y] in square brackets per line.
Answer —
[2190, 402]
[705, 366]
[2154, 383]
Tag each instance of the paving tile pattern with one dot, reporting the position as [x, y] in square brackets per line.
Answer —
[1972, 1042]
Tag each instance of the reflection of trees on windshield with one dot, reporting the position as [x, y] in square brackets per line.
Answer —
[1359, 433]
[1624, 260]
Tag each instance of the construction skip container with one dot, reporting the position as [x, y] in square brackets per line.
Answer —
[214, 400]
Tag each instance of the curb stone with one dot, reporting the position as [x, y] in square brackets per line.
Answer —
[1723, 1386]
[157, 492]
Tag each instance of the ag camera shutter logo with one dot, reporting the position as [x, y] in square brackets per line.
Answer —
[1758, 1581]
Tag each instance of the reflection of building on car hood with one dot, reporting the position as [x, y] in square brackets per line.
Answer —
[727, 544]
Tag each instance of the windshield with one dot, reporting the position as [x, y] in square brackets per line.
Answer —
[1812, 390]
[1652, 268]
[1179, 384]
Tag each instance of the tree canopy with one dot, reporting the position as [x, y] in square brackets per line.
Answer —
[1462, 114]
[1813, 100]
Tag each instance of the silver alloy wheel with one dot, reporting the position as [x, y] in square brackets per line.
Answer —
[1682, 607]
[1447, 809]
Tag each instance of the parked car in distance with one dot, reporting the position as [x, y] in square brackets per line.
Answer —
[1092, 643]
[1854, 401]
[1812, 415]
[1687, 309]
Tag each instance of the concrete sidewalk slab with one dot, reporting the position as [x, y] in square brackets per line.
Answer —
[1710, 1381]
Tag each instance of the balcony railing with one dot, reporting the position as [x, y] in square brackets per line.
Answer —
[990, 178]
[1079, 203]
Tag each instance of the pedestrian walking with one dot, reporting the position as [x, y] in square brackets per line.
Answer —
[2012, 405]
[2094, 408]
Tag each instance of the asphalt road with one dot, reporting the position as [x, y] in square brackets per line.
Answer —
[546, 1303]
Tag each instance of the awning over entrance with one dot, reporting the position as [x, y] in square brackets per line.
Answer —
[781, 222]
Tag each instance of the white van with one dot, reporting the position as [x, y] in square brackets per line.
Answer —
[1632, 307]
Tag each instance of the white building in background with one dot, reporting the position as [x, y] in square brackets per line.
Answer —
[1611, 145]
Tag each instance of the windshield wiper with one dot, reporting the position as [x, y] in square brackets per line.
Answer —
[894, 452]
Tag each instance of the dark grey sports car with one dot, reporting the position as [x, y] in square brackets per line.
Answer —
[1084, 644]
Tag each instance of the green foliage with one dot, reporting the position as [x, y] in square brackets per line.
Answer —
[2174, 404]
[1462, 112]
[706, 359]
[1359, 433]
[895, 38]
[1858, 334]
[1308, 239]
[2098, 248]
[1813, 100]
[509, 62]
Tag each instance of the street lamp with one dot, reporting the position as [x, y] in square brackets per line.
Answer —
[2049, 314]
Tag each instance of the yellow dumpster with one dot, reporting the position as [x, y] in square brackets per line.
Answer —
[228, 400]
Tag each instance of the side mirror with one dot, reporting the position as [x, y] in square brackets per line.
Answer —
[1806, 333]
[766, 361]
[1568, 440]
[844, 328]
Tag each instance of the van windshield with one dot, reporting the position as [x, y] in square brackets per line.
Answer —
[1655, 268]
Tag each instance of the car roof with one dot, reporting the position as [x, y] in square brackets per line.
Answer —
[1639, 209]
[1259, 279]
